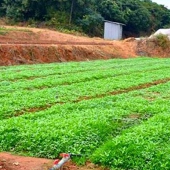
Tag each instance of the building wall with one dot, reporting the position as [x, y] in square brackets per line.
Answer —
[112, 31]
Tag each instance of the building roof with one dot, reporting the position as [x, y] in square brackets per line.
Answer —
[114, 22]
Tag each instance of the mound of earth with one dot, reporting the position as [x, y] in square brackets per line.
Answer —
[153, 47]
[22, 45]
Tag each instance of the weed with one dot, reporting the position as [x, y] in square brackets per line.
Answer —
[163, 41]
[4, 30]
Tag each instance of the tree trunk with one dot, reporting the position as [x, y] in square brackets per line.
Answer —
[71, 12]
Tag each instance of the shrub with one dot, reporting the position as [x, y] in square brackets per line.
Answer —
[162, 40]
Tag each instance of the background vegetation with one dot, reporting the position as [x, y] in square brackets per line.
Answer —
[140, 16]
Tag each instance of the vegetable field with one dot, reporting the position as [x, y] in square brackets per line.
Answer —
[114, 112]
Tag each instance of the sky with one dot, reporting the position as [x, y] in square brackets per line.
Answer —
[166, 3]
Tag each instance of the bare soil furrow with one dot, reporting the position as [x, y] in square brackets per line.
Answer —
[117, 92]
[139, 87]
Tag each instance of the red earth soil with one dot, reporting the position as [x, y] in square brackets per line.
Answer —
[32, 45]
[23, 45]
[13, 162]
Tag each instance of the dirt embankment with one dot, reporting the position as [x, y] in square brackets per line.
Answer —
[28, 46]
[21, 45]
[153, 48]
[22, 54]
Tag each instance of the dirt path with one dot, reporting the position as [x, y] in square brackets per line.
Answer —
[51, 43]
[14, 162]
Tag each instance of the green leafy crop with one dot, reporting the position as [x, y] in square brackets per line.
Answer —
[114, 112]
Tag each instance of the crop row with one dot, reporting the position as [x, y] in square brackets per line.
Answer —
[26, 99]
[105, 86]
[142, 147]
[69, 65]
[42, 71]
[45, 70]
[77, 127]
[70, 78]
[124, 131]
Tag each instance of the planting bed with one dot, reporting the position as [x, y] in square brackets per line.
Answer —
[115, 112]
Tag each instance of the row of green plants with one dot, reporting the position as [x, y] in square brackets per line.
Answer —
[146, 146]
[83, 127]
[77, 77]
[25, 99]
[123, 131]
[41, 70]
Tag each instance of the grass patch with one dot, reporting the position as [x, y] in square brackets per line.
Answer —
[4, 30]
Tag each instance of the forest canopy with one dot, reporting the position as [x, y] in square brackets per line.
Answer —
[141, 17]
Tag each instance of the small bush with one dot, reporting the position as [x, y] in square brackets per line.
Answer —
[163, 40]
[4, 30]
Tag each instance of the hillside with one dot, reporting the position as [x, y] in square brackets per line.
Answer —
[23, 45]
[31, 45]
[141, 17]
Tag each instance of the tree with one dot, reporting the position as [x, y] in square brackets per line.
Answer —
[138, 15]
[91, 23]
[110, 10]
[71, 11]
[139, 21]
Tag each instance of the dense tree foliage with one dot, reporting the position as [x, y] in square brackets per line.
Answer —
[140, 16]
